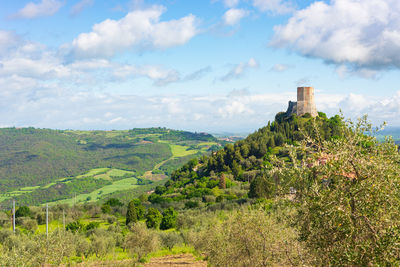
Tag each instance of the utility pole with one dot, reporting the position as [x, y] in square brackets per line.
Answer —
[63, 220]
[47, 220]
[13, 216]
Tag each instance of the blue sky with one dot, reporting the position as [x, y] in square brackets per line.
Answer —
[204, 65]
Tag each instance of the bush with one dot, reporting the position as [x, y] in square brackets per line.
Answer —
[191, 204]
[74, 227]
[141, 241]
[30, 225]
[169, 219]
[153, 218]
[171, 239]
[249, 238]
[23, 211]
[92, 226]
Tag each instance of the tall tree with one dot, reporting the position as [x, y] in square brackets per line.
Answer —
[131, 215]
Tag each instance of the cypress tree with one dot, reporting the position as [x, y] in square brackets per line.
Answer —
[222, 181]
[131, 215]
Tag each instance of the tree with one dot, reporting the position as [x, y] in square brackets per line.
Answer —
[114, 202]
[106, 208]
[131, 215]
[222, 181]
[169, 219]
[23, 211]
[251, 238]
[141, 241]
[153, 218]
[262, 186]
[348, 194]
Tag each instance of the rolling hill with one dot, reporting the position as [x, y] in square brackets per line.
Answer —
[43, 165]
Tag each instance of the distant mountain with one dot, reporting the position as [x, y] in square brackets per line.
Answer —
[389, 131]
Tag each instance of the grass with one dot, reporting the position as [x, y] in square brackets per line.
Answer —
[184, 249]
[120, 185]
[119, 173]
[181, 151]
[93, 172]
[29, 188]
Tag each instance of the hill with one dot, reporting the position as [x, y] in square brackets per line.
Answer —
[41, 165]
[236, 165]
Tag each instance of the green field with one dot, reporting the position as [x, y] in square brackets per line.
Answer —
[128, 183]
[93, 172]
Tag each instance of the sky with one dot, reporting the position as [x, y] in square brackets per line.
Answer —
[199, 65]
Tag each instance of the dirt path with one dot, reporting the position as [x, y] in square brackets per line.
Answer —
[175, 261]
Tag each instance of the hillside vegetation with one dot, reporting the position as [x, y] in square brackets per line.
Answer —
[238, 164]
[301, 191]
[42, 165]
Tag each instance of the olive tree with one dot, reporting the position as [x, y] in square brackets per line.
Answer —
[348, 191]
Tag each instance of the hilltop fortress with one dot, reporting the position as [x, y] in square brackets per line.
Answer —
[305, 103]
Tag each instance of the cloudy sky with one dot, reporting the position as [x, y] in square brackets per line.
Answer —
[200, 65]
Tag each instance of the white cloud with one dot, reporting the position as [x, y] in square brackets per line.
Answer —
[8, 40]
[280, 67]
[158, 74]
[28, 101]
[274, 6]
[364, 34]
[80, 6]
[198, 74]
[231, 3]
[238, 70]
[140, 29]
[41, 9]
[234, 15]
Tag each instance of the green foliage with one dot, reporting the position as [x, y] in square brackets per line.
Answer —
[141, 241]
[75, 226]
[244, 160]
[348, 197]
[114, 202]
[92, 226]
[131, 215]
[262, 187]
[169, 219]
[23, 211]
[106, 208]
[249, 238]
[191, 204]
[153, 218]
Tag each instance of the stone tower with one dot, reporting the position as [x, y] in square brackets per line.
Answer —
[305, 101]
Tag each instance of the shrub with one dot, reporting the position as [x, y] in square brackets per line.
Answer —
[153, 218]
[23, 211]
[141, 241]
[249, 238]
[169, 219]
[170, 239]
[74, 227]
